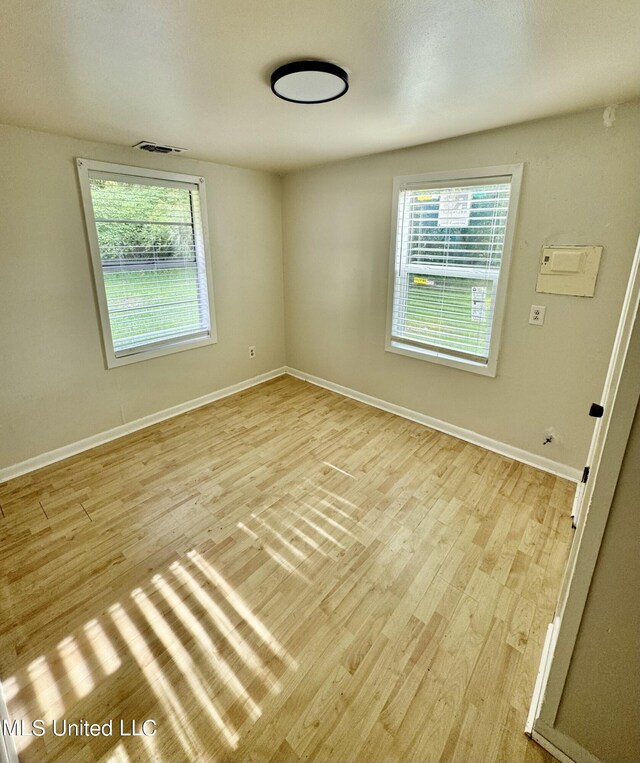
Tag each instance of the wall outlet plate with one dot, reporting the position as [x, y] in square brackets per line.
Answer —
[536, 315]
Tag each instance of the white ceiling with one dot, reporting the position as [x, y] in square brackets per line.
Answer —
[195, 73]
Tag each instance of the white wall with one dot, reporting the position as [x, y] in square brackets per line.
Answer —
[580, 187]
[54, 387]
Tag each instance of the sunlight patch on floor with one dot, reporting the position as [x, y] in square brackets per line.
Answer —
[185, 663]
[78, 671]
[46, 689]
[342, 471]
[207, 646]
[160, 685]
[240, 606]
[225, 626]
[102, 646]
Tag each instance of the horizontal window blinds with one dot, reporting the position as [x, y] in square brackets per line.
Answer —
[152, 257]
[449, 247]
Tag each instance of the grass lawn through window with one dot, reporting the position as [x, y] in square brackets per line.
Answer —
[150, 304]
[446, 312]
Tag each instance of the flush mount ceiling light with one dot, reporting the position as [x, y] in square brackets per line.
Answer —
[309, 82]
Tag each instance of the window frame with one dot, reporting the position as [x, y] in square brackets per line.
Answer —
[511, 173]
[153, 350]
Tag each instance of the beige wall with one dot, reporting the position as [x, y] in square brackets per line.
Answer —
[580, 187]
[600, 707]
[54, 388]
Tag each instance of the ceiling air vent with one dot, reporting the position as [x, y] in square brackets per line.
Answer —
[158, 148]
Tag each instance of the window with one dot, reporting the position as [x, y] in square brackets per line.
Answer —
[449, 265]
[148, 238]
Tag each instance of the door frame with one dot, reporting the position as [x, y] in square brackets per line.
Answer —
[610, 390]
[8, 751]
[620, 396]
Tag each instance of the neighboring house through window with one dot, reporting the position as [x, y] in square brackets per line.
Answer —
[149, 244]
[453, 234]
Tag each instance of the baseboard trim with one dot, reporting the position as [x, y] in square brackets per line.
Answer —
[541, 678]
[66, 451]
[8, 751]
[531, 459]
[563, 748]
[551, 748]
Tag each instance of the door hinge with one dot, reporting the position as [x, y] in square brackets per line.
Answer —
[585, 473]
[596, 411]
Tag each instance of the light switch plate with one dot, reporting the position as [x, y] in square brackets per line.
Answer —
[536, 315]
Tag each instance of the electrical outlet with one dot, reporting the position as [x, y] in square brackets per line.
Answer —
[536, 315]
[252, 351]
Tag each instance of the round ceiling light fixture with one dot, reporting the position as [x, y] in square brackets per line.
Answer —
[309, 82]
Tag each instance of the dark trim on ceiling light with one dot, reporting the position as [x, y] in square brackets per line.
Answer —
[294, 67]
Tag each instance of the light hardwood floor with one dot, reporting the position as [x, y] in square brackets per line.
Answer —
[283, 575]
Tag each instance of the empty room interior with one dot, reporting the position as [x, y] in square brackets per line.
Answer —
[319, 376]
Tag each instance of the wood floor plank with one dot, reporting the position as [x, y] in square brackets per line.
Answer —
[284, 575]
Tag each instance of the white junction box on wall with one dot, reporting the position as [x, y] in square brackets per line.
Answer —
[569, 270]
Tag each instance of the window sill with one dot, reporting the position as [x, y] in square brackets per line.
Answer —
[114, 361]
[484, 369]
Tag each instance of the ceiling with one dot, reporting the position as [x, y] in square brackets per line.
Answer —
[195, 73]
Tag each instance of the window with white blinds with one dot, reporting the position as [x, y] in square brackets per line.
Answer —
[449, 265]
[147, 232]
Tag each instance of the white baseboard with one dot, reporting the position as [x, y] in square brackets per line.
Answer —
[541, 678]
[577, 502]
[37, 462]
[551, 748]
[531, 459]
[562, 747]
[66, 451]
[8, 752]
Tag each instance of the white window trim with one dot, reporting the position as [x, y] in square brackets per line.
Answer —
[512, 172]
[143, 353]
